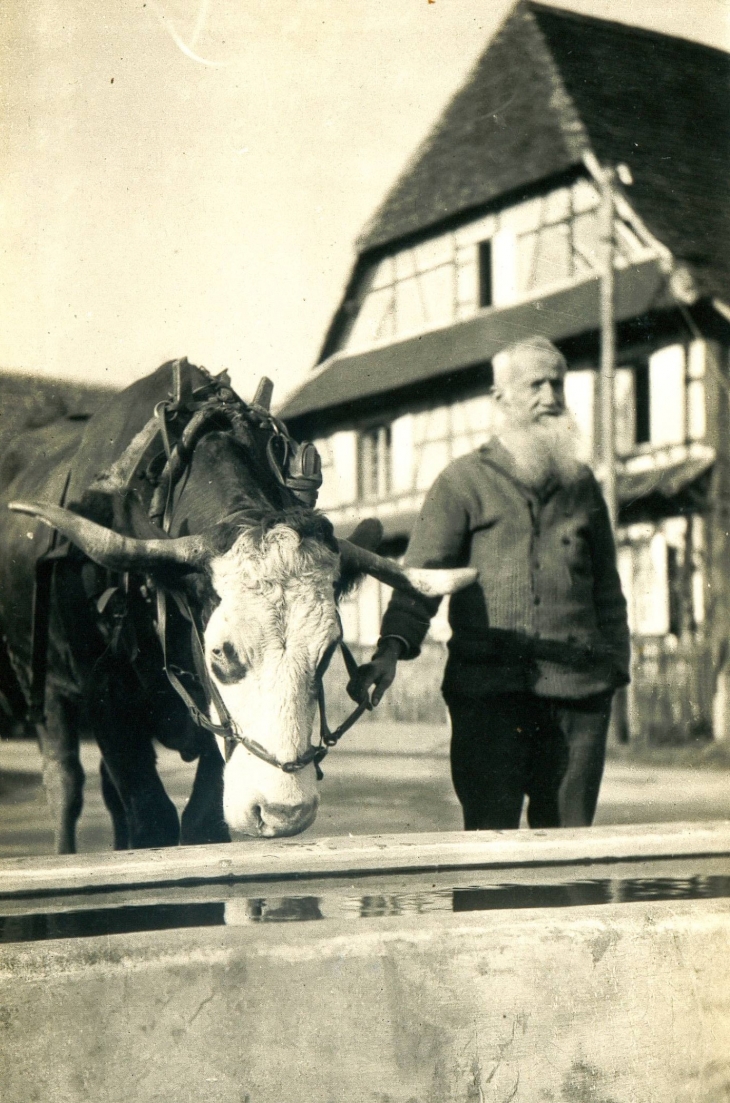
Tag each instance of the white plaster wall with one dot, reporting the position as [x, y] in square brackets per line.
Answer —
[696, 410]
[437, 279]
[504, 268]
[580, 391]
[624, 389]
[651, 591]
[667, 418]
[401, 442]
[339, 469]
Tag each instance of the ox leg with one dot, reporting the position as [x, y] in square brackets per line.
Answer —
[114, 805]
[202, 820]
[151, 817]
[121, 723]
[63, 775]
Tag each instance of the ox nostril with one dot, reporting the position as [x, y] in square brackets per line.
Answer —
[290, 814]
[258, 815]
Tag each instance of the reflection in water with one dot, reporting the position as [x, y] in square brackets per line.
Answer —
[278, 909]
[96, 922]
[574, 895]
[240, 910]
[400, 903]
[670, 888]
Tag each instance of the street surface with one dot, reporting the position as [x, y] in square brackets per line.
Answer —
[382, 778]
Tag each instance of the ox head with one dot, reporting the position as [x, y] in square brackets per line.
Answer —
[272, 631]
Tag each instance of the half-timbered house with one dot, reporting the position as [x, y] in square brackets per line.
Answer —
[492, 233]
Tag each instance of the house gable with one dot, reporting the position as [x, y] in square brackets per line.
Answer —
[658, 104]
[551, 87]
[510, 124]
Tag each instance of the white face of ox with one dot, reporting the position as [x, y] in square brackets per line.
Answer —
[265, 646]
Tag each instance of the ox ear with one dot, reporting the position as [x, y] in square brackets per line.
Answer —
[125, 553]
[367, 535]
[425, 581]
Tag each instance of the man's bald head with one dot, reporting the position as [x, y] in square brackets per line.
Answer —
[524, 355]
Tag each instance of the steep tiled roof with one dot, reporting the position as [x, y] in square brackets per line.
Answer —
[661, 105]
[552, 84]
[509, 125]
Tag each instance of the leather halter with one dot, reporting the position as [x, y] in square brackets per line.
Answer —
[300, 482]
[315, 753]
[227, 727]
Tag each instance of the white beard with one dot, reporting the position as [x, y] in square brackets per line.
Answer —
[551, 448]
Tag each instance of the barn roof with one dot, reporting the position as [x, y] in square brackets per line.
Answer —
[553, 84]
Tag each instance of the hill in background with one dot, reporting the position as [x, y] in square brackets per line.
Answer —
[27, 401]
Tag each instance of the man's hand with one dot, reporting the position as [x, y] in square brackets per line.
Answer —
[379, 672]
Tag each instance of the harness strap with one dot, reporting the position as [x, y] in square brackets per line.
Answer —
[328, 738]
[196, 713]
[10, 686]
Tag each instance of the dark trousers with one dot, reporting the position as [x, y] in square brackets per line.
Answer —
[515, 745]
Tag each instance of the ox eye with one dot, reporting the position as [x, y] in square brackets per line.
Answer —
[227, 665]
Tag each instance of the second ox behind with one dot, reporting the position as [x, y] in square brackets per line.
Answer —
[191, 594]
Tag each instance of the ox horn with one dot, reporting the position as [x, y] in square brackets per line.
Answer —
[428, 582]
[120, 553]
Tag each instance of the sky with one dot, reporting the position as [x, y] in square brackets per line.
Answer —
[188, 177]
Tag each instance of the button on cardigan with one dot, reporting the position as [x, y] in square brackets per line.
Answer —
[546, 613]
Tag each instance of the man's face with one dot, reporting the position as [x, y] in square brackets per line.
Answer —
[535, 391]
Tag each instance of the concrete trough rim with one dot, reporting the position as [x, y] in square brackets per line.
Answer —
[360, 856]
[207, 946]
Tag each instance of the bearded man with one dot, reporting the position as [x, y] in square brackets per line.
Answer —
[540, 641]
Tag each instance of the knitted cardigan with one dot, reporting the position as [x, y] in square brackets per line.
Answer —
[546, 613]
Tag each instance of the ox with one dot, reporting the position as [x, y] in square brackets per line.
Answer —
[191, 593]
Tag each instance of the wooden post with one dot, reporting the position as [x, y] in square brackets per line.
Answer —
[619, 730]
[717, 538]
[608, 346]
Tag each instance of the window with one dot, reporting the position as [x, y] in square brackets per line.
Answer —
[643, 421]
[374, 463]
[485, 273]
[675, 588]
[632, 406]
